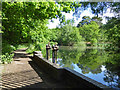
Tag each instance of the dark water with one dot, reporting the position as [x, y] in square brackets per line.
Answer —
[98, 64]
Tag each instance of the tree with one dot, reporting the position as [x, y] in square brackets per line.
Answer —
[98, 20]
[20, 18]
[113, 31]
[96, 7]
[85, 20]
[90, 32]
[69, 35]
[112, 27]
[99, 8]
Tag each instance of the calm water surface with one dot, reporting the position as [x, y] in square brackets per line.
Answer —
[98, 64]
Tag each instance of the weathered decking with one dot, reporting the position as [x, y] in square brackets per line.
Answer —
[23, 73]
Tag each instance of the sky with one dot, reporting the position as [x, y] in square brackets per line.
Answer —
[87, 12]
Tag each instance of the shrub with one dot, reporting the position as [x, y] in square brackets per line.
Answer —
[31, 48]
[7, 58]
[7, 48]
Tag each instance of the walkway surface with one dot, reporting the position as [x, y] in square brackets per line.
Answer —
[23, 73]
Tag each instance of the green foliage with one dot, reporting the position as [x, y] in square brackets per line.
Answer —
[31, 48]
[98, 20]
[91, 29]
[80, 44]
[85, 20]
[40, 33]
[114, 58]
[23, 21]
[69, 35]
[113, 32]
[90, 32]
[99, 8]
[7, 58]
[24, 45]
[53, 34]
[7, 48]
[35, 47]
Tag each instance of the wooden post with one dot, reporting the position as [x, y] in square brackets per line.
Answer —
[48, 47]
[54, 53]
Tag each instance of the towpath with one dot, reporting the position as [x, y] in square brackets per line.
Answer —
[23, 73]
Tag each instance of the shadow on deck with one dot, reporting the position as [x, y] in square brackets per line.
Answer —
[27, 79]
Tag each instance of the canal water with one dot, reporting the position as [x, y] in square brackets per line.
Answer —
[98, 64]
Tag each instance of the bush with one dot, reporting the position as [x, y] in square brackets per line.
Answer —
[80, 44]
[7, 48]
[39, 46]
[7, 58]
[31, 48]
[20, 46]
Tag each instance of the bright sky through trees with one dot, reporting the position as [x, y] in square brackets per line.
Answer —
[87, 12]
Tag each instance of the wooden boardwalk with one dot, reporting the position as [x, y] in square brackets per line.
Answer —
[23, 73]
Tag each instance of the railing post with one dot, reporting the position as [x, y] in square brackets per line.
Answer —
[48, 47]
[54, 53]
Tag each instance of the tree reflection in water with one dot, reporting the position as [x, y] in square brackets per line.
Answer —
[91, 61]
[112, 74]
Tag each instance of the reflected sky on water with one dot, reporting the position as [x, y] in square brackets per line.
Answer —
[97, 64]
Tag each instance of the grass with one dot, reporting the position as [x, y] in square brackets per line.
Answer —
[25, 46]
[21, 46]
